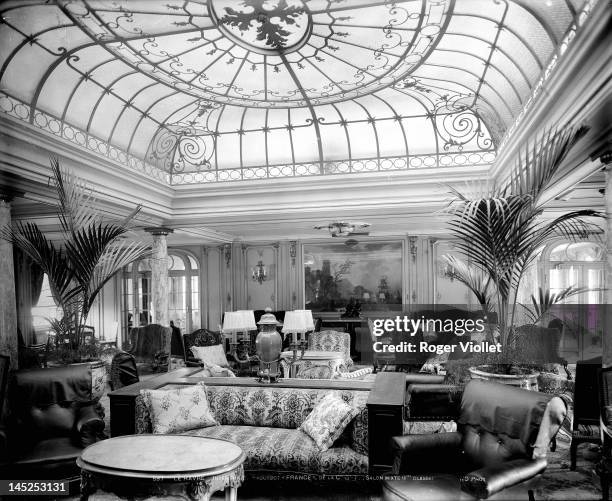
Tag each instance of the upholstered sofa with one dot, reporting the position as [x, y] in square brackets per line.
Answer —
[265, 422]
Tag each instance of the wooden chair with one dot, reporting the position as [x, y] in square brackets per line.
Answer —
[205, 337]
[585, 428]
[200, 337]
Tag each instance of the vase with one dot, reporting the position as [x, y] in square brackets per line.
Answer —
[269, 345]
[524, 381]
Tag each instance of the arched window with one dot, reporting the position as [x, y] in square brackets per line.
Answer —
[578, 264]
[183, 292]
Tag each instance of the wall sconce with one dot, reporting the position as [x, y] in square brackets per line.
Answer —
[447, 271]
[259, 272]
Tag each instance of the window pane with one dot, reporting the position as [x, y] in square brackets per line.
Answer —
[175, 262]
[177, 301]
[193, 263]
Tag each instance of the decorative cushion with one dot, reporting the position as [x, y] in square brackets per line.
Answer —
[178, 409]
[214, 370]
[327, 420]
[271, 407]
[211, 354]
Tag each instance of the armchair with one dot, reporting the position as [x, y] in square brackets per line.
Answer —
[150, 346]
[123, 371]
[205, 337]
[332, 341]
[52, 417]
[498, 449]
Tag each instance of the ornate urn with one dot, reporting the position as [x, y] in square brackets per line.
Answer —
[268, 345]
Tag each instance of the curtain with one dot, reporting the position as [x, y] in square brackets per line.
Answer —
[28, 285]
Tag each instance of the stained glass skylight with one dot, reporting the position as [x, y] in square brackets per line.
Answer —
[221, 90]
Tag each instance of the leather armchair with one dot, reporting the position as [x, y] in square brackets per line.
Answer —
[498, 450]
[150, 346]
[52, 417]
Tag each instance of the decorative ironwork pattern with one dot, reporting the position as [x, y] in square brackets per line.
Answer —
[223, 90]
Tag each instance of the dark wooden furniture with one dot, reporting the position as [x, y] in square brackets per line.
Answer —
[585, 427]
[200, 337]
[385, 404]
[385, 418]
[161, 466]
[604, 468]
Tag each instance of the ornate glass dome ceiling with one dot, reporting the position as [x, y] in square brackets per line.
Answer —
[221, 90]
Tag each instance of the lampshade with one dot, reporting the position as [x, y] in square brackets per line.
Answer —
[298, 321]
[239, 321]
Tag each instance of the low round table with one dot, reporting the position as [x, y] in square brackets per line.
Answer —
[161, 466]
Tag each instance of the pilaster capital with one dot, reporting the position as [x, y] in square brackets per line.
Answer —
[159, 230]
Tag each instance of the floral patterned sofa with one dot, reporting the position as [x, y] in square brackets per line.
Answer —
[264, 422]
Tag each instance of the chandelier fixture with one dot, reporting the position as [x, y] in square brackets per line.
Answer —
[345, 228]
[259, 272]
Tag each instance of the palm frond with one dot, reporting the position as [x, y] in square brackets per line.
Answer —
[475, 281]
[546, 299]
[535, 171]
[76, 201]
[113, 259]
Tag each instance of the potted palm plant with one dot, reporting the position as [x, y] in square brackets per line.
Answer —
[499, 230]
[88, 254]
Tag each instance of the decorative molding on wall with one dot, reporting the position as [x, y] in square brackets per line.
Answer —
[227, 254]
[293, 252]
[412, 241]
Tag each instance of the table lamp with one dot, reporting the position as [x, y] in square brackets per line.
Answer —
[238, 321]
[298, 322]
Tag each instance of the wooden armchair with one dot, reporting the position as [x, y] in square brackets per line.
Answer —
[200, 337]
[205, 337]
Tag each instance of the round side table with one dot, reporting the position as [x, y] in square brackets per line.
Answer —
[161, 466]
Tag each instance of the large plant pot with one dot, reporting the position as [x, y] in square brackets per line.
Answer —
[525, 381]
[98, 379]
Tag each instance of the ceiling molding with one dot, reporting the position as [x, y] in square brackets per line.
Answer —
[577, 88]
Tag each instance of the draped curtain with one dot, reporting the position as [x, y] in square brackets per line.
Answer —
[28, 285]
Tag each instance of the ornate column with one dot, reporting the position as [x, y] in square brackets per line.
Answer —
[606, 160]
[159, 274]
[8, 306]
